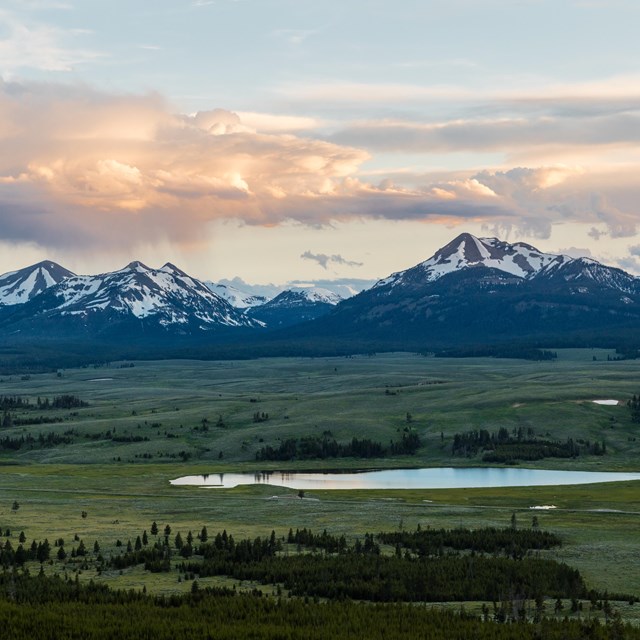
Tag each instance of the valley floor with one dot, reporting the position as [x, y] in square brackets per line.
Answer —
[95, 487]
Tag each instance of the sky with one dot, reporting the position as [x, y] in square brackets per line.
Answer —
[279, 140]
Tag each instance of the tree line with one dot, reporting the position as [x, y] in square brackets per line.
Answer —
[42, 441]
[323, 566]
[505, 447]
[361, 572]
[313, 447]
[65, 401]
[508, 541]
[634, 408]
[40, 607]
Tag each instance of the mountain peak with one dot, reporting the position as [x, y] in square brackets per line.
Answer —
[465, 251]
[136, 265]
[49, 265]
[464, 247]
[165, 300]
[18, 287]
[169, 267]
[236, 297]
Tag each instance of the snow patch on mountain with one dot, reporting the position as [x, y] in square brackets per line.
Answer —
[168, 294]
[18, 287]
[306, 295]
[235, 297]
[466, 251]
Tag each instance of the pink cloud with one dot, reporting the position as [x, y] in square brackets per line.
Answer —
[79, 166]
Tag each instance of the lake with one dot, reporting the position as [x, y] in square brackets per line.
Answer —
[431, 478]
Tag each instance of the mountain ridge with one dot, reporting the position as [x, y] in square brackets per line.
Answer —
[153, 299]
[478, 290]
[472, 290]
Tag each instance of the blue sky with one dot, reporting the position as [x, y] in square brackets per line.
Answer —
[219, 134]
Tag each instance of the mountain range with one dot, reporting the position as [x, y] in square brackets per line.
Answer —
[481, 290]
[48, 300]
[471, 291]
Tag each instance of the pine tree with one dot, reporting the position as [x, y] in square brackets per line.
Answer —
[634, 406]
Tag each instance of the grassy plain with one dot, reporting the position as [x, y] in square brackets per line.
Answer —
[122, 492]
[370, 397]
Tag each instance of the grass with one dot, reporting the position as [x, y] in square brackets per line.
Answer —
[363, 397]
[121, 502]
[366, 397]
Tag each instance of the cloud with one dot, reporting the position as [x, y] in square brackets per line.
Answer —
[539, 197]
[294, 37]
[575, 252]
[495, 134]
[325, 260]
[635, 250]
[83, 167]
[120, 166]
[629, 264]
[277, 123]
[30, 45]
[522, 91]
[596, 233]
[44, 5]
[620, 224]
[344, 286]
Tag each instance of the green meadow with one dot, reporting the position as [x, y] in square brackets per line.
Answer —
[178, 418]
[205, 409]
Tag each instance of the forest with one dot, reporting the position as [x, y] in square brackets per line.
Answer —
[41, 608]
[362, 586]
[311, 447]
[507, 448]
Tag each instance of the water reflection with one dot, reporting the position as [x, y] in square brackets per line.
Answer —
[431, 478]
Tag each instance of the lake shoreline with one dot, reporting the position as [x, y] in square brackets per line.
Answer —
[393, 479]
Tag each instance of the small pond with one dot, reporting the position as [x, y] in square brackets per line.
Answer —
[431, 478]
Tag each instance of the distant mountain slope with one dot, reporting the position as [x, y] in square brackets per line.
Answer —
[136, 299]
[295, 306]
[484, 290]
[467, 251]
[472, 291]
[235, 297]
[18, 287]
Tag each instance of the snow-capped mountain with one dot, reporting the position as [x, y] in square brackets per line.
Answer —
[479, 290]
[581, 274]
[519, 261]
[235, 297]
[244, 296]
[472, 291]
[294, 306]
[135, 298]
[18, 287]
[305, 295]
[466, 251]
